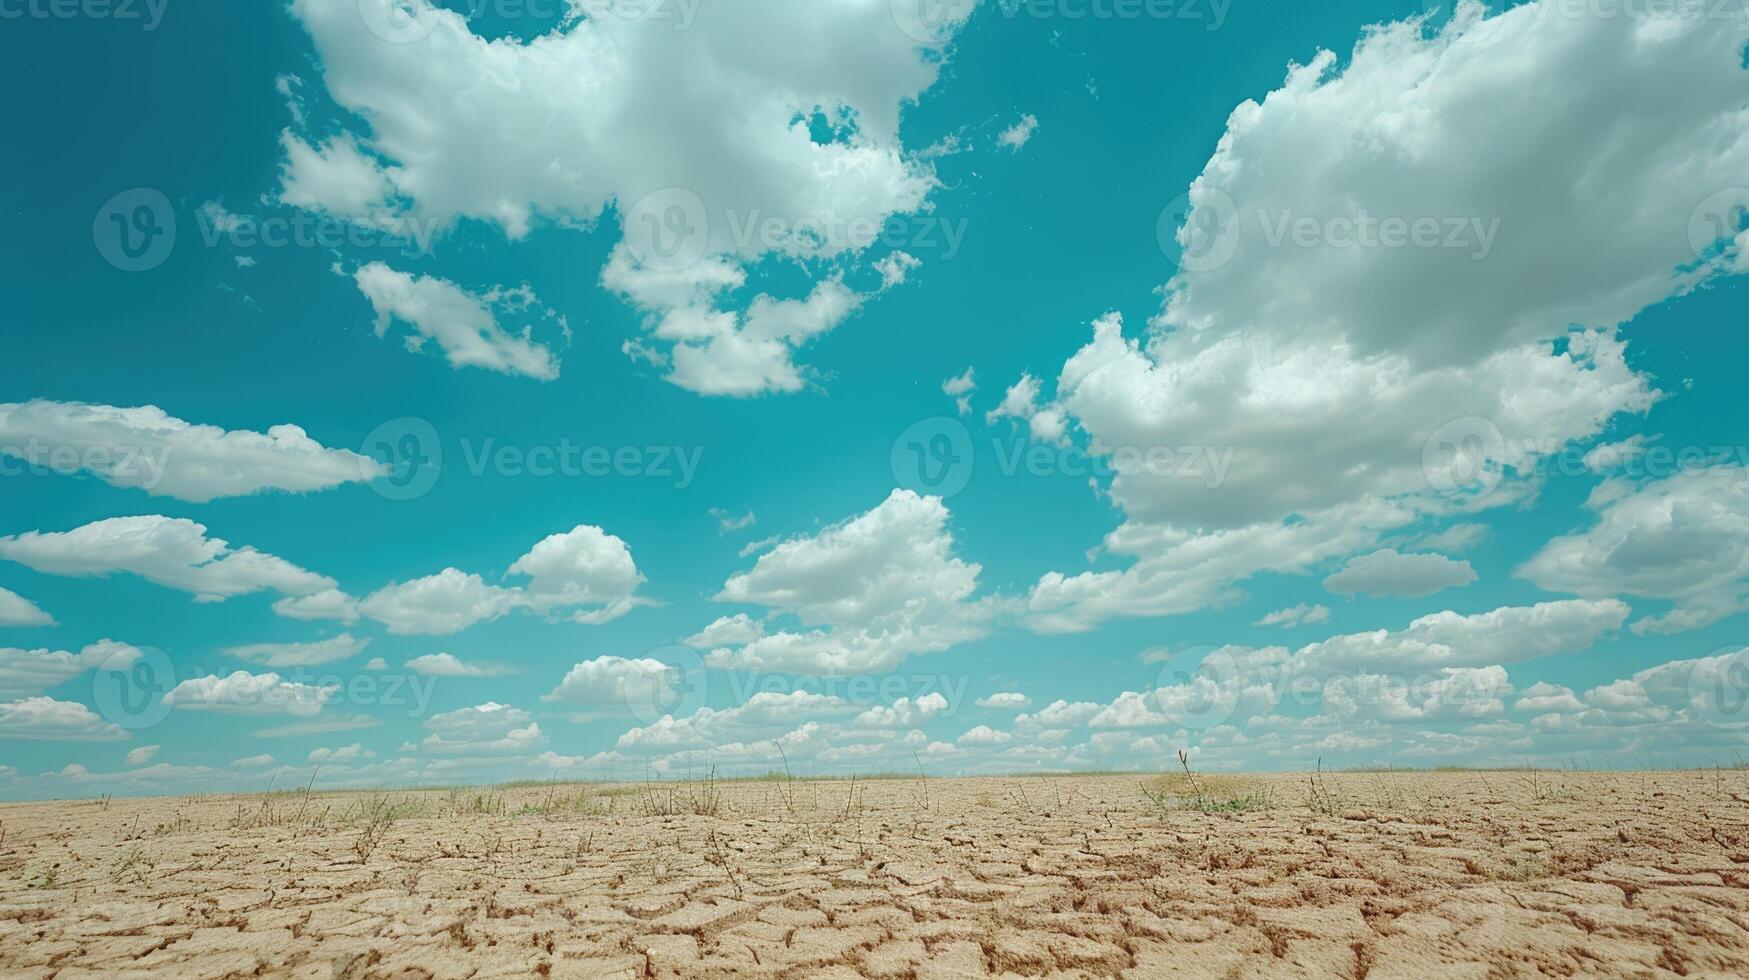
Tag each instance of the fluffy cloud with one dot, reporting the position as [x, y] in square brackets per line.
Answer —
[583, 567]
[36, 671]
[244, 693]
[585, 574]
[173, 552]
[703, 145]
[763, 716]
[1302, 614]
[1005, 700]
[1335, 370]
[330, 604]
[726, 631]
[141, 755]
[448, 602]
[149, 449]
[46, 719]
[882, 585]
[616, 682]
[462, 324]
[904, 712]
[449, 665]
[300, 654]
[1388, 572]
[16, 610]
[1684, 538]
[486, 728]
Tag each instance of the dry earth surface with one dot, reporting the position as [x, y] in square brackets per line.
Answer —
[1356, 874]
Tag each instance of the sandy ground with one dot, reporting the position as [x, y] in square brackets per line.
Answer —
[1401, 874]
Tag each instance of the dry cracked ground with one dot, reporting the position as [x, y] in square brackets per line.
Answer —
[1468, 874]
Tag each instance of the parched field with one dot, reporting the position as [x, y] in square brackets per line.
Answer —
[1355, 874]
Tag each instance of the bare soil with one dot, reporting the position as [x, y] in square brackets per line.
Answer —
[1469, 874]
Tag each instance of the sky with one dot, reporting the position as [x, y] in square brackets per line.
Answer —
[405, 393]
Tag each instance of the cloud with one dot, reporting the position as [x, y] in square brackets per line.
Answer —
[904, 712]
[45, 719]
[1298, 615]
[585, 575]
[35, 671]
[1388, 572]
[329, 604]
[244, 693]
[441, 604]
[464, 325]
[764, 715]
[488, 728]
[867, 592]
[148, 449]
[1017, 135]
[16, 610]
[314, 654]
[984, 735]
[173, 552]
[141, 755]
[1684, 538]
[1331, 370]
[960, 389]
[728, 523]
[448, 665]
[1543, 696]
[252, 762]
[727, 631]
[1005, 700]
[616, 682]
[797, 157]
[583, 567]
[348, 753]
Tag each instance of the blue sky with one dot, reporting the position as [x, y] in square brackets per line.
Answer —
[1319, 406]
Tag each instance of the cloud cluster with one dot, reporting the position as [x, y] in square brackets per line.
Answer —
[709, 152]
